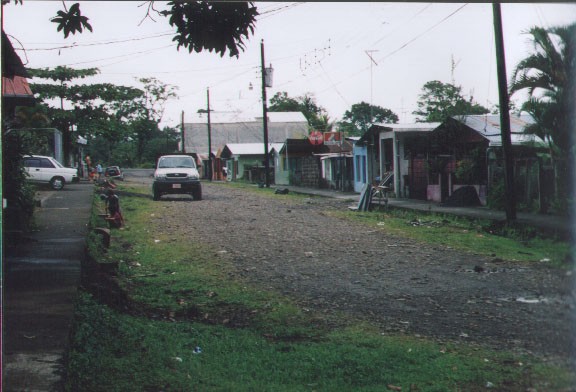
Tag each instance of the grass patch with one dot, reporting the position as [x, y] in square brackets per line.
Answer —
[198, 329]
[465, 234]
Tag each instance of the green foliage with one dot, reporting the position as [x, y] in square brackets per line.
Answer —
[97, 110]
[474, 236]
[548, 76]
[18, 193]
[362, 115]
[306, 104]
[469, 169]
[213, 26]
[439, 101]
[71, 21]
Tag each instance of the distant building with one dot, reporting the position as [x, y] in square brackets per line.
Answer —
[226, 128]
[246, 160]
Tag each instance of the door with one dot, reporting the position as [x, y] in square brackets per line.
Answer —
[32, 166]
[48, 169]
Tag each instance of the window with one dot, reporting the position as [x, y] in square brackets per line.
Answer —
[32, 162]
[46, 163]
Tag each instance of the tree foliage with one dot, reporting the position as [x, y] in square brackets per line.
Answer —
[200, 25]
[71, 21]
[439, 101]
[212, 26]
[546, 75]
[89, 107]
[306, 104]
[361, 115]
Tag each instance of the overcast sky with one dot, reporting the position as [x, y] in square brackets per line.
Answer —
[324, 49]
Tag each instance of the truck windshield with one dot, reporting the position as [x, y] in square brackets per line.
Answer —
[184, 162]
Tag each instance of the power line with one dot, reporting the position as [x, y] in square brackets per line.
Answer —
[403, 45]
[124, 55]
[423, 33]
[277, 10]
[76, 45]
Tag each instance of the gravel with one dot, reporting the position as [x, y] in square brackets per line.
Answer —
[330, 264]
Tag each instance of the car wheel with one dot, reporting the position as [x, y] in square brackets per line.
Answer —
[156, 196]
[57, 183]
[198, 194]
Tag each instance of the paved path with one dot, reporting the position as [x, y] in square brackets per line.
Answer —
[40, 283]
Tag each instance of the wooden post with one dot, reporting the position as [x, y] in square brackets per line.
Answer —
[504, 116]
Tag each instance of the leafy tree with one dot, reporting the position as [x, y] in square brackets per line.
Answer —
[439, 101]
[87, 106]
[546, 75]
[156, 94]
[361, 115]
[200, 25]
[306, 104]
[148, 111]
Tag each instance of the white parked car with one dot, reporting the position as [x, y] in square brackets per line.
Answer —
[47, 170]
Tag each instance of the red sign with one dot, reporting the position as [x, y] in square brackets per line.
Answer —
[316, 138]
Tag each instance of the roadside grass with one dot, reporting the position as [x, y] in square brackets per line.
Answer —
[465, 234]
[190, 325]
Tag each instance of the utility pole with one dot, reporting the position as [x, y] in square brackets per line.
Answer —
[209, 171]
[504, 116]
[183, 147]
[372, 63]
[265, 117]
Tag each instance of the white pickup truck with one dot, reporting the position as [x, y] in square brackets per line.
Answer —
[176, 174]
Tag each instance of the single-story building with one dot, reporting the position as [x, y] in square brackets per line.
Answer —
[382, 153]
[240, 128]
[430, 161]
[246, 160]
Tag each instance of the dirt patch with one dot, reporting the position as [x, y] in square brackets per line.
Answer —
[329, 264]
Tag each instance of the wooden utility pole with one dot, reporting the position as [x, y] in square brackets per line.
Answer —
[183, 139]
[265, 117]
[209, 171]
[504, 116]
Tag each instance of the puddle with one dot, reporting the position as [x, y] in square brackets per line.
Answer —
[526, 300]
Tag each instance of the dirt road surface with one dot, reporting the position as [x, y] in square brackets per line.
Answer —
[296, 247]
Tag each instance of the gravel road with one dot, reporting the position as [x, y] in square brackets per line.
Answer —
[296, 247]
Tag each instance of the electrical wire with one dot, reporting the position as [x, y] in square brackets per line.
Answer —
[364, 69]
[77, 45]
[267, 14]
[129, 55]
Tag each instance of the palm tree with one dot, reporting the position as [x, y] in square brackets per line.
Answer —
[547, 75]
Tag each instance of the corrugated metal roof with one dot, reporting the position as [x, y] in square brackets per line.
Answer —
[241, 117]
[410, 127]
[238, 131]
[489, 127]
[252, 148]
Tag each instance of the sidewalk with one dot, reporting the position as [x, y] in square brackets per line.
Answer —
[549, 224]
[40, 283]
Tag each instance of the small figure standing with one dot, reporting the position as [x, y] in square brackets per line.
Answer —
[89, 167]
[99, 170]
